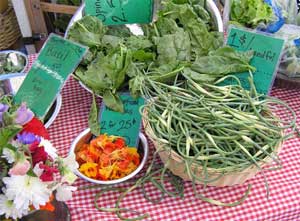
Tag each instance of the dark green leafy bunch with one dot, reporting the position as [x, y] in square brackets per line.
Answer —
[251, 13]
[183, 39]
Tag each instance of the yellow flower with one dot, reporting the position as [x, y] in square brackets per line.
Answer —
[89, 169]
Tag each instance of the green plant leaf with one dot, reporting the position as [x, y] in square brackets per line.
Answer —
[113, 101]
[93, 118]
[8, 133]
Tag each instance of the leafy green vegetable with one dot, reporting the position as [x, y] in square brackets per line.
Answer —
[11, 62]
[181, 40]
[222, 62]
[88, 31]
[251, 13]
[93, 118]
[113, 101]
[107, 73]
[173, 47]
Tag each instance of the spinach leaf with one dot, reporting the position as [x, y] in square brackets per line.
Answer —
[138, 42]
[223, 61]
[135, 85]
[87, 31]
[93, 118]
[106, 73]
[112, 41]
[199, 77]
[94, 78]
[119, 31]
[202, 40]
[113, 101]
[173, 47]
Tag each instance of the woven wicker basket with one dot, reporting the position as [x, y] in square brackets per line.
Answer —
[176, 165]
[9, 29]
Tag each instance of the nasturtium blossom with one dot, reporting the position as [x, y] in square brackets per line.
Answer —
[89, 169]
[107, 158]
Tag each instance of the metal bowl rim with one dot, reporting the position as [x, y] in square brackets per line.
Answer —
[20, 53]
[58, 97]
[56, 111]
[210, 3]
[145, 145]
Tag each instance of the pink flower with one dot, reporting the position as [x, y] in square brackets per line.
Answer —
[20, 168]
[24, 115]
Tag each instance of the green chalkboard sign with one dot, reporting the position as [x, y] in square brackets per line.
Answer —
[56, 61]
[116, 12]
[125, 124]
[267, 51]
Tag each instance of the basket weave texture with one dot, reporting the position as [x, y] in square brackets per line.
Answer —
[176, 164]
[9, 29]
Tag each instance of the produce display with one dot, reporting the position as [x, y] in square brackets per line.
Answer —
[204, 127]
[107, 158]
[220, 129]
[290, 61]
[11, 62]
[251, 13]
[179, 65]
[272, 16]
[182, 39]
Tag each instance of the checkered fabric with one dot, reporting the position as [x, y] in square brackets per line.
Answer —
[284, 184]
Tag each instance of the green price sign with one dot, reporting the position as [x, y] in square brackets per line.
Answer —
[125, 124]
[267, 51]
[116, 12]
[56, 61]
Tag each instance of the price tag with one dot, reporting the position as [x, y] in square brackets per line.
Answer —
[57, 60]
[116, 12]
[267, 52]
[125, 124]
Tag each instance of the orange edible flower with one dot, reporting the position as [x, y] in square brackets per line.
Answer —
[89, 169]
[120, 143]
[107, 158]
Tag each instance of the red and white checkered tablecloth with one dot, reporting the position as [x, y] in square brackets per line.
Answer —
[284, 184]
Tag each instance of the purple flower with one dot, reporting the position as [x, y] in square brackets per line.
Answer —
[24, 115]
[3, 108]
[28, 138]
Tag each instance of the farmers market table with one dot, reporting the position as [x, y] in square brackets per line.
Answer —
[284, 184]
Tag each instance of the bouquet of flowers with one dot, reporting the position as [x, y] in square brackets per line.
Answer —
[31, 172]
